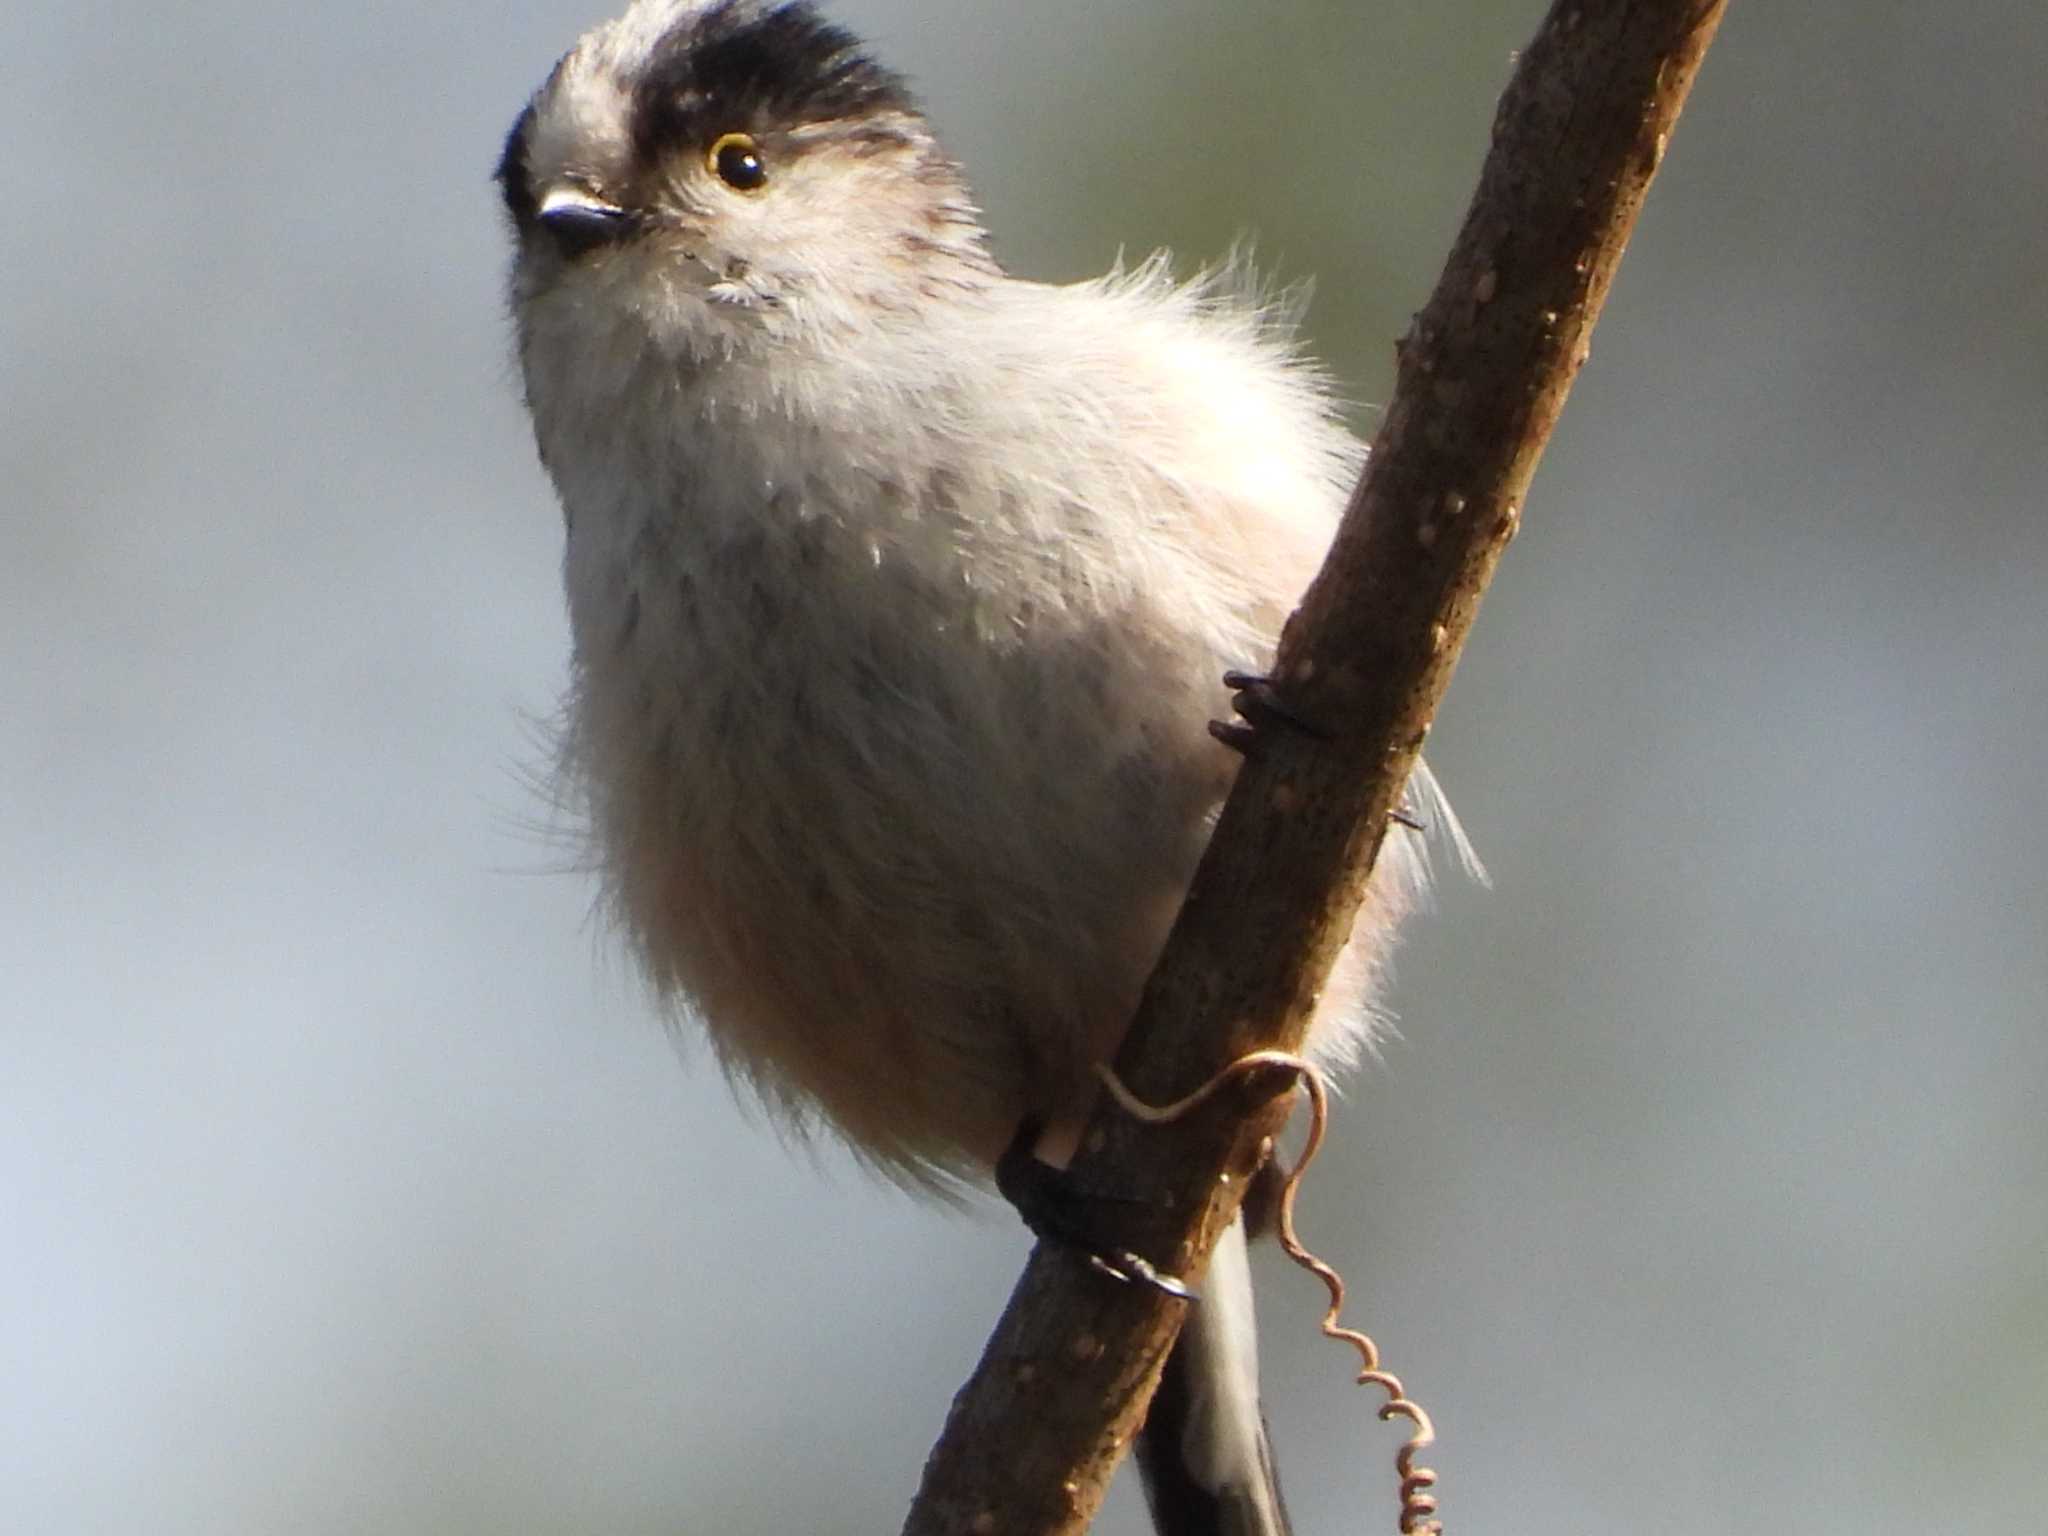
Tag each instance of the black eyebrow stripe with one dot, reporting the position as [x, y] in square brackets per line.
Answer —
[745, 67]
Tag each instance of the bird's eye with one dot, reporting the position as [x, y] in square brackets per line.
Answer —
[736, 160]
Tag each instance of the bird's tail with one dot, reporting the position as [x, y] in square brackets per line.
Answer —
[1203, 1453]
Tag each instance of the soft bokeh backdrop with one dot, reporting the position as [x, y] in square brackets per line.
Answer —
[346, 1181]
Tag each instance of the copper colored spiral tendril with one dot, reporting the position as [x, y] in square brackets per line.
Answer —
[1418, 1504]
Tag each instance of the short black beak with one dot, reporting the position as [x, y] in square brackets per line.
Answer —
[581, 221]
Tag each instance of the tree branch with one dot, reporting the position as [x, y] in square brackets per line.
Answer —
[1483, 373]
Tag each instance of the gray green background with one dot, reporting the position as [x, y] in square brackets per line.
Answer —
[347, 1183]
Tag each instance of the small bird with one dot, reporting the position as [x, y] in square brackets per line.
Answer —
[901, 592]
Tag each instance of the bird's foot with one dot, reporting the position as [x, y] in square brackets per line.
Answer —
[1260, 709]
[1059, 1210]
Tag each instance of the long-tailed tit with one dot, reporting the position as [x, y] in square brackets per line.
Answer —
[901, 592]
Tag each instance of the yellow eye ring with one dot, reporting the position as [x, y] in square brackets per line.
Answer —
[735, 159]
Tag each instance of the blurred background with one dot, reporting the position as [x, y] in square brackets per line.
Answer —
[347, 1180]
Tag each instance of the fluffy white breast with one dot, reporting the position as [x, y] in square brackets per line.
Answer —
[894, 663]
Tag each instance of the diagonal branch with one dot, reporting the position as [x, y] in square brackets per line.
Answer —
[1035, 1434]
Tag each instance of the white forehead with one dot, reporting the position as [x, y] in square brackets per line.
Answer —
[583, 120]
[622, 45]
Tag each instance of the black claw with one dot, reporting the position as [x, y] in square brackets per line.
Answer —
[1058, 1210]
[1260, 704]
[1132, 1270]
[1239, 738]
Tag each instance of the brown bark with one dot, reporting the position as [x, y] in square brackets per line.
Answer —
[1035, 1434]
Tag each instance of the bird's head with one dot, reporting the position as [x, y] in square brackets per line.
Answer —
[718, 171]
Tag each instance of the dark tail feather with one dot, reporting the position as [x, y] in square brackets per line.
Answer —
[1203, 1452]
